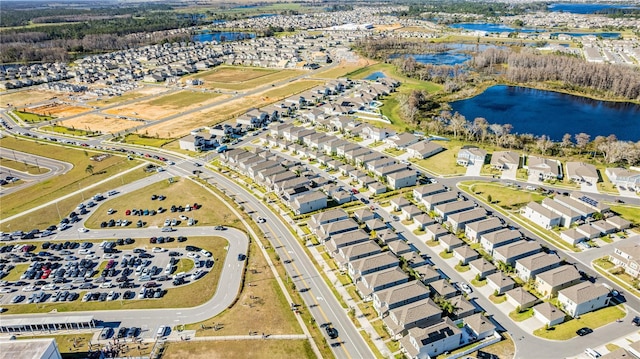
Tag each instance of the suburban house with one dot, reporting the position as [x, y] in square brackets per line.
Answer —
[548, 314]
[582, 172]
[528, 267]
[377, 188]
[376, 133]
[424, 149]
[345, 239]
[445, 209]
[619, 223]
[331, 229]
[543, 168]
[482, 267]
[572, 236]
[464, 307]
[492, 240]
[511, 252]
[433, 200]
[505, 160]
[374, 263]
[364, 214]
[420, 313]
[567, 215]
[398, 203]
[322, 218]
[519, 297]
[410, 211]
[627, 258]
[500, 282]
[449, 242]
[459, 220]
[399, 295]
[583, 298]
[589, 231]
[423, 220]
[435, 232]
[375, 225]
[443, 288]
[470, 155]
[310, 202]
[380, 280]
[578, 206]
[465, 254]
[431, 341]
[541, 216]
[473, 231]
[427, 190]
[624, 178]
[402, 140]
[480, 326]
[198, 143]
[550, 282]
[346, 254]
[402, 179]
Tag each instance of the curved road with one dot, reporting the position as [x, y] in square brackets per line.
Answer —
[55, 168]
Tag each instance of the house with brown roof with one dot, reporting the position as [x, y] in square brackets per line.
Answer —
[510, 253]
[424, 149]
[421, 313]
[374, 263]
[444, 210]
[431, 341]
[505, 160]
[345, 239]
[543, 168]
[364, 214]
[500, 282]
[583, 298]
[402, 179]
[528, 267]
[492, 240]
[443, 288]
[540, 215]
[350, 253]
[435, 232]
[572, 236]
[430, 201]
[519, 297]
[473, 231]
[463, 307]
[548, 314]
[459, 220]
[482, 267]
[449, 242]
[582, 172]
[399, 295]
[423, 220]
[380, 280]
[567, 215]
[550, 282]
[427, 190]
[465, 254]
[470, 155]
[410, 211]
[619, 223]
[480, 326]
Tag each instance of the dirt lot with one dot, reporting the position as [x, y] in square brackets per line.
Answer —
[167, 105]
[243, 78]
[100, 123]
[282, 349]
[343, 69]
[25, 98]
[58, 110]
[128, 96]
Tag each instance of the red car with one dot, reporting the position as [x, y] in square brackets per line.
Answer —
[354, 191]
[127, 212]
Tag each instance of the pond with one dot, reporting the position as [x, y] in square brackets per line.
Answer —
[489, 27]
[375, 75]
[604, 35]
[553, 114]
[222, 36]
[441, 58]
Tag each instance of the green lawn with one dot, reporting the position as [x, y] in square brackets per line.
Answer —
[32, 117]
[462, 269]
[143, 140]
[593, 320]
[70, 131]
[604, 262]
[628, 212]
[478, 283]
[443, 163]
[446, 255]
[517, 316]
[23, 166]
[182, 98]
[499, 299]
[508, 198]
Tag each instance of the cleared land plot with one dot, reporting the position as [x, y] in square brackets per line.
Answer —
[55, 187]
[95, 122]
[25, 98]
[128, 96]
[185, 296]
[179, 193]
[167, 105]
[281, 349]
[57, 110]
[31, 117]
[287, 90]
[343, 69]
[52, 213]
[260, 299]
[243, 78]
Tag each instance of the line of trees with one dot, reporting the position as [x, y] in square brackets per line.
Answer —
[528, 65]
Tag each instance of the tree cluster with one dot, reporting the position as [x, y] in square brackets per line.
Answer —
[529, 66]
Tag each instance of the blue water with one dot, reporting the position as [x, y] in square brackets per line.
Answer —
[441, 58]
[604, 35]
[586, 8]
[219, 35]
[376, 75]
[264, 15]
[489, 27]
[553, 114]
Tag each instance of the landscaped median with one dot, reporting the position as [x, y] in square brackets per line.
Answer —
[593, 320]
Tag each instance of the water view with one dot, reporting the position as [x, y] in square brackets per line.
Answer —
[222, 36]
[575, 8]
[441, 58]
[553, 114]
[489, 27]
[375, 75]
[604, 35]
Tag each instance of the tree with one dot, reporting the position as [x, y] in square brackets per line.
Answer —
[544, 143]
[89, 169]
[482, 125]
[489, 198]
[582, 139]
[457, 124]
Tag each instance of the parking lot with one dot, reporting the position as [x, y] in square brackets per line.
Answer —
[86, 271]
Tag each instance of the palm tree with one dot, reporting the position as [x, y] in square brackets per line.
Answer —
[89, 169]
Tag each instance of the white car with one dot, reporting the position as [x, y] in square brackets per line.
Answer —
[91, 256]
[261, 220]
[30, 288]
[111, 211]
[112, 295]
[465, 288]
[83, 230]
[85, 251]
[183, 217]
[205, 253]
[50, 287]
[109, 256]
[193, 255]
[6, 290]
[157, 250]
[106, 285]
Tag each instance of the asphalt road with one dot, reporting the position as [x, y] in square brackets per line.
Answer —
[55, 168]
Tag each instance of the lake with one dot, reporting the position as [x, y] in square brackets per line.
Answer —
[576, 8]
[375, 75]
[489, 27]
[219, 36]
[604, 35]
[440, 58]
[553, 114]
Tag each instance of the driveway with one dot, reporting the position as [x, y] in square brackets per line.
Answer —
[474, 170]
[509, 174]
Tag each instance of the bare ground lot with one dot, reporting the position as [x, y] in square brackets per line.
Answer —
[56, 110]
[167, 105]
[243, 78]
[94, 122]
[343, 69]
[258, 349]
[128, 96]
[26, 98]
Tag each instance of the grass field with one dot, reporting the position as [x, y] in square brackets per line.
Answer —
[178, 193]
[260, 299]
[144, 140]
[593, 320]
[32, 117]
[508, 198]
[287, 90]
[70, 131]
[165, 105]
[281, 349]
[23, 166]
[128, 96]
[443, 163]
[630, 213]
[55, 187]
[52, 214]
[186, 296]
[99, 123]
[237, 78]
